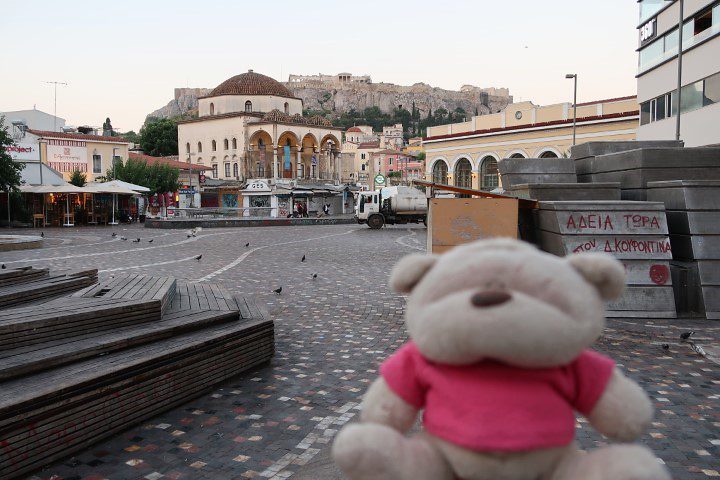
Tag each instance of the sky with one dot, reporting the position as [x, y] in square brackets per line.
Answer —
[123, 59]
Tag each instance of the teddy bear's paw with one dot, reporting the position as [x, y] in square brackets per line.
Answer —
[378, 452]
[614, 462]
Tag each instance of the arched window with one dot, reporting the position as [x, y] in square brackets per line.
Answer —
[226, 144]
[199, 161]
[488, 173]
[199, 147]
[287, 108]
[548, 154]
[463, 173]
[187, 147]
[214, 145]
[234, 143]
[440, 172]
[227, 170]
[212, 109]
[517, 155]
[214, 170]
[235, 170]
[248, 106]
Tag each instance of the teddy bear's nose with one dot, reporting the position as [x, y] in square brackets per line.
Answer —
[490, 298]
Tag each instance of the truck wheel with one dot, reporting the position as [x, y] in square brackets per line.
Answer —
[376, 221]
[425, 221]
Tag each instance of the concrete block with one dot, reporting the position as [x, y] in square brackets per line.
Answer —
[567, 191]
[711, 299]
[603, 222]
[648, 272]
[625, 247]
[686, 194]
[695, 247]
[644, 302]
[694, 223]
[709, 272]
[536, 165]
[593, 149]
[510, 180]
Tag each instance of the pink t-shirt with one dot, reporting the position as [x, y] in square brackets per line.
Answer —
[490, 406]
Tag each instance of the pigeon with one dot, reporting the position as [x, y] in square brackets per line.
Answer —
[189, 235]
[42, 234]
[665, 347]
[314, 276]
[278, 290]
[151, 240]
[136, 241]
[114, 235]
[686, 335]
[247, 244]
[3, 266]
[123, 239]
[302, 259]
[198, 258]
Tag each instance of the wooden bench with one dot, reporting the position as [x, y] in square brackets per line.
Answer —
[52, 285]
[134, 287]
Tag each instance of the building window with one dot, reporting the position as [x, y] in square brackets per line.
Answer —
[214, 145]
[463, 173]
[548, 154]
[440, 172]
[362, 156]
[692, 97]
[711, 92]
[236, 172]
[187, 147]
[226, 144]
[212, 109]
[517, 155]
[489, 173]
[227, 169]
[97, 163]
[234, 143]
[363, 167]
[199, 160]
[214, 170]
[287, 108]
[248, 106]
[390, 161]
[199, 147]
[648, 8]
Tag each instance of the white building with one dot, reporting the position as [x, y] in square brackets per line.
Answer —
[658, 67]
[33, 120]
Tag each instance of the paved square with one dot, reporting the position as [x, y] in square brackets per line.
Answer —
[332, 333]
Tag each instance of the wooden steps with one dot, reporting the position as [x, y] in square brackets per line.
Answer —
[133, 287]
[91, 366]
[44, 286]
[22, 274]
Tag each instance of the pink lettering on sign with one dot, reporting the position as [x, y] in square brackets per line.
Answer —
[586, 247]
[590, 222]
[618, 245]
[642, 221]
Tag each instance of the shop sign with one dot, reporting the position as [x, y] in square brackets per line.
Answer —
[67, 159]
[379, 180]
[187, 190]
[648, 31]
[202, 178]
[24, 151]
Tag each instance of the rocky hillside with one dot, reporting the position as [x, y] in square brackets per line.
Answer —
[387, 96]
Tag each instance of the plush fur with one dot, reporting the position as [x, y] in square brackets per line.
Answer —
[506, 301]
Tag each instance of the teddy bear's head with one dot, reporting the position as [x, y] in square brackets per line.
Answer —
[505, 300]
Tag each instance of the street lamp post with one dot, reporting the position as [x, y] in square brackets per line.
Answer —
[575, 80]
[681, 21]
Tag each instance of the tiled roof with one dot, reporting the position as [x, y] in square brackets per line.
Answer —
[78, 136]
[354, 129]
[368, 145]
[171, 161]
[251, 83]
[554, 123]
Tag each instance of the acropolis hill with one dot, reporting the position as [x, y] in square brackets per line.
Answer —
[343, 92]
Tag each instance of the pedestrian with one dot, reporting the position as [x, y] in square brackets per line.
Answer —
[326, 209]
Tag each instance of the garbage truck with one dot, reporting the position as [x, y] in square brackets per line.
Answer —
[390, 206]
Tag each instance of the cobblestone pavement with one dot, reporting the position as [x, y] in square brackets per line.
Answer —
[332, 332]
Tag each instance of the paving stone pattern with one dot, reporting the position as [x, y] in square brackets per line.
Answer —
[332, 332]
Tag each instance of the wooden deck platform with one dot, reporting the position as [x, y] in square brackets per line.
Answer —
[30, 286]
[93, 365]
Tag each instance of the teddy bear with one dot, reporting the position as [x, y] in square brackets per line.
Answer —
[499, 363]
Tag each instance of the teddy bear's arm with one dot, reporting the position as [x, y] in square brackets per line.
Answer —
[382, 405]
[624, 410]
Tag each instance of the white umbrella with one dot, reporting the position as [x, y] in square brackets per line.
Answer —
[115, 189]
[125, 185]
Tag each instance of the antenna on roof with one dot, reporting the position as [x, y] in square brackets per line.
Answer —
[55, 108]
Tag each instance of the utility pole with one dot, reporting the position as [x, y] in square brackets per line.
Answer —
[55, 107]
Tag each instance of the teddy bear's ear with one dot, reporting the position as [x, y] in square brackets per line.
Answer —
[410, 270]
[605, 273]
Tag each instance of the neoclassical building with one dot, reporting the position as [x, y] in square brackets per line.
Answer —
[252, 127]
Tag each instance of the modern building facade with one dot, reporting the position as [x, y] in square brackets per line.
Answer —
[252, 127]
[34, 119]
[658, 41]
[466, 154]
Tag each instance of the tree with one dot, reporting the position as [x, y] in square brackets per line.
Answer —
[9, 169]
[107, 128]
[78, 178]
[159, 137]
[131, 136]
[158, 177]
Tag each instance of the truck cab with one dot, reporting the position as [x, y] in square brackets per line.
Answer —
[390, 206]
[368, 203]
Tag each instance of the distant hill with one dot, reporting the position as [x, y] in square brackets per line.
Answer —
[335, 97]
